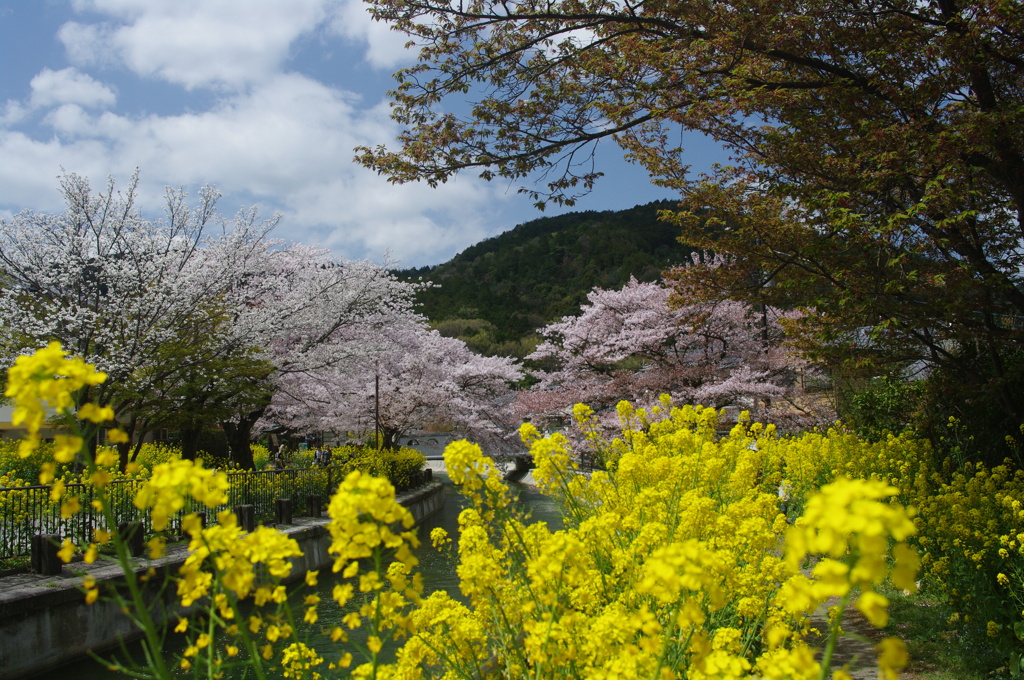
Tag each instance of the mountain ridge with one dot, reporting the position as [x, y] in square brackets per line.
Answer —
[496, 293]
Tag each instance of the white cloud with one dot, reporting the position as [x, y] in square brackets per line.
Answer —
[69, 86]
[287, 144]
[284, 133]
[269, 135]
[385, 48]
[228, 44]
[70, 120]
[412, 223]
[14, 113]
[88, 44]
[28, 175]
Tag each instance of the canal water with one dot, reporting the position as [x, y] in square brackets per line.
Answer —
[438, 571]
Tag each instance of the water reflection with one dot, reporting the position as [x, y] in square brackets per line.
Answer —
[438, 571]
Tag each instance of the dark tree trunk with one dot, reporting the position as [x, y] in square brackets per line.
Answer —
[128, 452]
[239, 436]
[389, 438]
[190, 442]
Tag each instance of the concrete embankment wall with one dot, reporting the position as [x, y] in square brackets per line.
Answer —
[45, 623]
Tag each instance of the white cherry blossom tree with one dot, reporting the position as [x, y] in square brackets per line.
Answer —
[195, 318]
[411, 378]
[142, 299]
[314, 317]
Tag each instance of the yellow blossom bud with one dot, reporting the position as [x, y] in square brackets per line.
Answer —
[118, 436]
[874, 607]
[67, 550]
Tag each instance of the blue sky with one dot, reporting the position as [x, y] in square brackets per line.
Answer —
[264, 100]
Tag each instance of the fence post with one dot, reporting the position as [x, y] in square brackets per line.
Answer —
[44, 554]
[313, 505]
[283, 510]
[131, 534]
[246, 515]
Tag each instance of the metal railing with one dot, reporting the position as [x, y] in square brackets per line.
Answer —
[26, 511]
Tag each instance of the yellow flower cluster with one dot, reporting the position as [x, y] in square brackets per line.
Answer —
[171, 484]
[670, 564]
[365, 532]
[232, 555]
[969, 521]
[48, 378]
[299, 660]
[362, 512]
[477, 475]
[850, 526]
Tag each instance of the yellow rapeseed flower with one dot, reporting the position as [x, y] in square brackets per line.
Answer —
[44, 379]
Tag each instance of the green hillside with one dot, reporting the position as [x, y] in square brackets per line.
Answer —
[495, 294]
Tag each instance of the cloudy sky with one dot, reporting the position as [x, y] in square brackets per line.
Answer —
[263, 99]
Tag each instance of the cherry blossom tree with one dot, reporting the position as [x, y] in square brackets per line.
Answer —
[411, 377]
[313, 316]
[638, 342]
[194, 318]
[124, 292]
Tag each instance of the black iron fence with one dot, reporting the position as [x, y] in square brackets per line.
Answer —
[26, 511]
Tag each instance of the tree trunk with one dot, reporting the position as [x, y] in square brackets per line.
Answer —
[190, 442]
[389, 438]
[125, 454]
[239, 436]
[128, 452]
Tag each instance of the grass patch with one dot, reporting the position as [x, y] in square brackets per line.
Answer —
[941, 646]
[15, 564]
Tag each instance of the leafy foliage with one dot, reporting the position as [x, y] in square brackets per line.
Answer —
[885, 405]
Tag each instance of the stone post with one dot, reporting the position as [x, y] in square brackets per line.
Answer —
[246, 515]
[133, 537]
[314, 505]
[44, 554]
[283, 510]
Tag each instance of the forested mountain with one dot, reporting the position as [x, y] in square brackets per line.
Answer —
[495, 294]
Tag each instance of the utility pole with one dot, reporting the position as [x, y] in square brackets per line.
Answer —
[376, 408]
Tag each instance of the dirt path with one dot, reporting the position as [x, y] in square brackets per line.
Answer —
[854, 655]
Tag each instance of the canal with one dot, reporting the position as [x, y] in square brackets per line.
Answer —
[438, 571]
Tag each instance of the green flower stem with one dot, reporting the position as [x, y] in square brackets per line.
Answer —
[833, 638]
